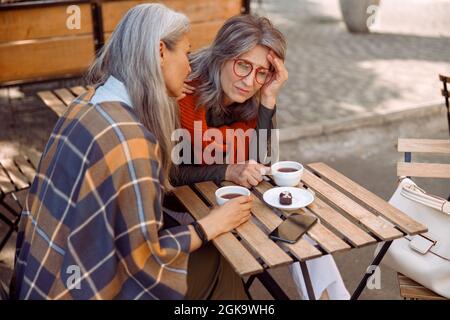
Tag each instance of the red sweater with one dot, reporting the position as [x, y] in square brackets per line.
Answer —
[189, 114]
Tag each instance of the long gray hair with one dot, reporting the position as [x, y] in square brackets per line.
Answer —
[238, 35]
[132, 55]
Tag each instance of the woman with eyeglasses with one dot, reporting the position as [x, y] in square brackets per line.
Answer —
[236, 83]
[234, 86]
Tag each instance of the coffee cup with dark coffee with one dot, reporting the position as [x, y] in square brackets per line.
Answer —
[287, 173]
[230, 192]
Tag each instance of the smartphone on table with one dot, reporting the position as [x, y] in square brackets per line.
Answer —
[293, 228]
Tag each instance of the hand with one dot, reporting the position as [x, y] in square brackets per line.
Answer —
[246, 174]
[269, 91]
[227, 217]
[187, 89]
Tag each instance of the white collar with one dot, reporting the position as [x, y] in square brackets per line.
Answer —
[111, 90]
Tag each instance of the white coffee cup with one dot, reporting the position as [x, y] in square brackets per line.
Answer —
[228, 191]
[287, 179]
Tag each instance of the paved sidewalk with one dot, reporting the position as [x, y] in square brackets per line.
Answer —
[338, 79]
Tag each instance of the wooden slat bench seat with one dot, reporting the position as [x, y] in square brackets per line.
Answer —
[59, 99]
[16, 174]
[409, 289]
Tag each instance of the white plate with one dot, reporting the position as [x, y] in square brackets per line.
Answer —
[300, 198]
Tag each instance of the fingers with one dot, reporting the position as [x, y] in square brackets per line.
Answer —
[262, 169]
[188, 87]
[243, 220]
[274, 62]
[278, 64]
[180, 97]
[244, 183]
[252, 180]
[253, 173]
[257, 172]
[243, 199]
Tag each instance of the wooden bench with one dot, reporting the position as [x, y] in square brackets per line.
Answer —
[16, 174]
[58, 100]
[409, 289]
[37, 44]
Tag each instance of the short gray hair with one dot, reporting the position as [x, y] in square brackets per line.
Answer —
[132, 55]
[238, 35]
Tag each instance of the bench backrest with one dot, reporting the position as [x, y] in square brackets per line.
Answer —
[37, 44]
[417, 169]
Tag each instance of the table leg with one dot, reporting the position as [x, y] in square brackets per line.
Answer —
[371, 271]
[271, 285]
[247, 286]
[307, 278]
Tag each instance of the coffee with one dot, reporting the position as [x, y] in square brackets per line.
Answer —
[231, 195]
[286, 169]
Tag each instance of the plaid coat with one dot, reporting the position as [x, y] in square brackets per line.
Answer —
[92, 227]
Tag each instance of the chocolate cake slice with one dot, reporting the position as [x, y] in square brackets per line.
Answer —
[285, 198]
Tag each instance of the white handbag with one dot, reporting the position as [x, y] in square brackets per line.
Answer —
[424, 258]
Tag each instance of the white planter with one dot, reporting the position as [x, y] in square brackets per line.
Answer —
[355, 14]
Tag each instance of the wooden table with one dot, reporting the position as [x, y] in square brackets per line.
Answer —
[349, 217]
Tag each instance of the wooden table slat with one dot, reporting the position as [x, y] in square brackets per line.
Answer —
[52, 102]
[271, 254]
[237, 255]
[28, 171]
[382, 229]
[400, 219]
[302, 249]
[65, 95]
[319, 233]
[351, 232]
[18, 179]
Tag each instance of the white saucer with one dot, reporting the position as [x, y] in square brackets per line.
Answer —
[300, 198]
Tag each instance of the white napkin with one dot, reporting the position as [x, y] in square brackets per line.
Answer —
[324, 275]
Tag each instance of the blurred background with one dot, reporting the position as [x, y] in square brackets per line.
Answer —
[362, 73]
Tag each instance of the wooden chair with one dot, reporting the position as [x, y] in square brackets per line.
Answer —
[410, 289]
[16, 174]
[446, 82]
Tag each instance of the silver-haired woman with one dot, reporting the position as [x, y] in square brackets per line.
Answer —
[234, 85]
[93, 227]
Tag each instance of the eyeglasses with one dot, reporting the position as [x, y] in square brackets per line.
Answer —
[242, 68]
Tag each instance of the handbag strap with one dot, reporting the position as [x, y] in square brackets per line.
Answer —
[414, 193]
